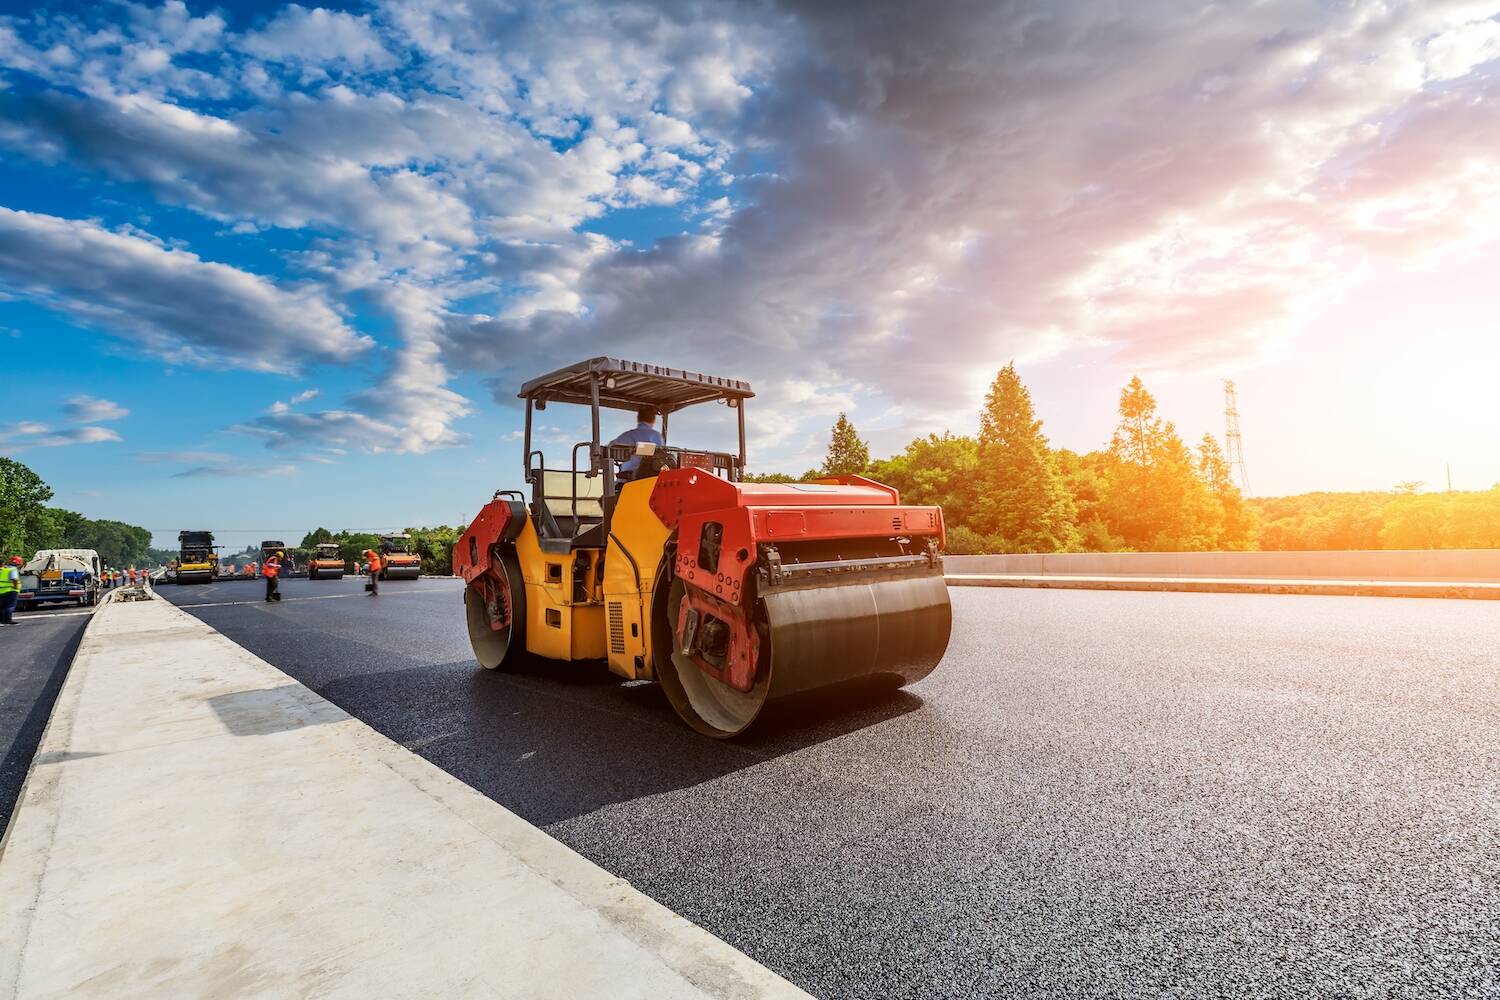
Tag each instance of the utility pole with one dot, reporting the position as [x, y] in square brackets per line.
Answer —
[1234, 448]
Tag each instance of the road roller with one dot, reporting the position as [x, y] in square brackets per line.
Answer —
[326, 562]
[398, 561]
[197, 557]
[663, 562]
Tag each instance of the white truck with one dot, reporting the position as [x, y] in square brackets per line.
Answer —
[55, 575]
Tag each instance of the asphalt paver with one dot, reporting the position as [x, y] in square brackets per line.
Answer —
[1095, 794]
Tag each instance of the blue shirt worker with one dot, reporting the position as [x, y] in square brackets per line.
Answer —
[644, 432]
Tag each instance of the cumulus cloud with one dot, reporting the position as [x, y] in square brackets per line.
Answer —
[319, 37]
[954, 189]
[883, 197]
[35, 435]
[333, 429]
[89, 410]
[170, 302]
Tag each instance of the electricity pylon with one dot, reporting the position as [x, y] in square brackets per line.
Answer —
[1234, 448]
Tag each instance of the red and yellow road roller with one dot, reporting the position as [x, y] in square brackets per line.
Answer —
[728, 594]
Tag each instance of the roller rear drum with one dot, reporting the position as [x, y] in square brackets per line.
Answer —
[808, 637]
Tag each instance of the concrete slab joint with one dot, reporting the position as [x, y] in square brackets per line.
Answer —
[196, 823]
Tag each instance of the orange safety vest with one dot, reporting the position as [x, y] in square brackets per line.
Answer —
[271, 567]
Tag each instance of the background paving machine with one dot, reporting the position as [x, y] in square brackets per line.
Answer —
[398, 561]
[326, 562]
[197, 557]
[727, 593]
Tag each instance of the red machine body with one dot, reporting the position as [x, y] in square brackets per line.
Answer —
[846, 507]
[729, 533]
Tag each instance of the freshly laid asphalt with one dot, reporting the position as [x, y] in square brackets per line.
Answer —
[1095, 794]
[35, 654]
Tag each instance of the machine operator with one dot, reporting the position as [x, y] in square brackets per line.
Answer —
[644, 432]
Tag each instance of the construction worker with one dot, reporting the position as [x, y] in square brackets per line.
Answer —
[644, 432]
[373, 559]
[271, 570]
[10, 589]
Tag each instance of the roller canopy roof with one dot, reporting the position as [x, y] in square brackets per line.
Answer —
[626, 385]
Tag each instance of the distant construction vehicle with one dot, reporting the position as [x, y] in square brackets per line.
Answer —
[197, 557]
[325, 563]
[55, 575]
[727, 593]
[398, 561]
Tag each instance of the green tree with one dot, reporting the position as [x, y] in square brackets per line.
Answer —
[1237, 521]
[939, 469]
[1023, 502]
[23, 498]
[1156, 500]
[435, 546]
[316, 537]
[1414, 521]
[1473, 521]
[770, 477]
[847, 454]
[353, 546]
[1087, 480]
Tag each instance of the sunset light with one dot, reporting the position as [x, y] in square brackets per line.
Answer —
[749, 498]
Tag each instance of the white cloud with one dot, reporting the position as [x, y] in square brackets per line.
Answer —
[329, 429]
[34, 435]
[234, 470]
[924, 192]
[169, 302]
[89, 410]
[318, 37]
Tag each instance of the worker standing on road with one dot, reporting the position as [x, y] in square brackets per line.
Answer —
[10, 590]
[373, 559]
[271, 570]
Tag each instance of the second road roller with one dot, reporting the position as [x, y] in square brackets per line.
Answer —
[728, 594]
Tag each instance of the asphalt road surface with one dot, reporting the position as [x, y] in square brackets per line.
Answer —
[34, 657]
[1095, 794]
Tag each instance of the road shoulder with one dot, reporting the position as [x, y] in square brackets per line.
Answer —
[1463, 590]
[196, 823]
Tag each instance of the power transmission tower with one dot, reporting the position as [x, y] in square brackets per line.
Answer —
[1234, 448]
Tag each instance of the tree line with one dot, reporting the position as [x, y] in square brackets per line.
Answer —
[1006, 489]
[28, 524]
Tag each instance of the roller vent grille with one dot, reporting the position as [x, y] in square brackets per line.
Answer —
[616, 627]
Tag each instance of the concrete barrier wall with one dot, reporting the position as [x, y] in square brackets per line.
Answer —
[1451, 564]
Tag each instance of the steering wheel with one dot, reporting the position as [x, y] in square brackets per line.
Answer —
[654, 464]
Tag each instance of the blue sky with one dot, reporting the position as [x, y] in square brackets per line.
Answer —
[265, 267]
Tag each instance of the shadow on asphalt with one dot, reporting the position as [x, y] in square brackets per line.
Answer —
[551, 741]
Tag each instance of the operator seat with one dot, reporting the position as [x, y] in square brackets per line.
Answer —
[558, 530]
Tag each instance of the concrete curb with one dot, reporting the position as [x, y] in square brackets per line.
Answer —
[1235, 585]
[196, 823]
